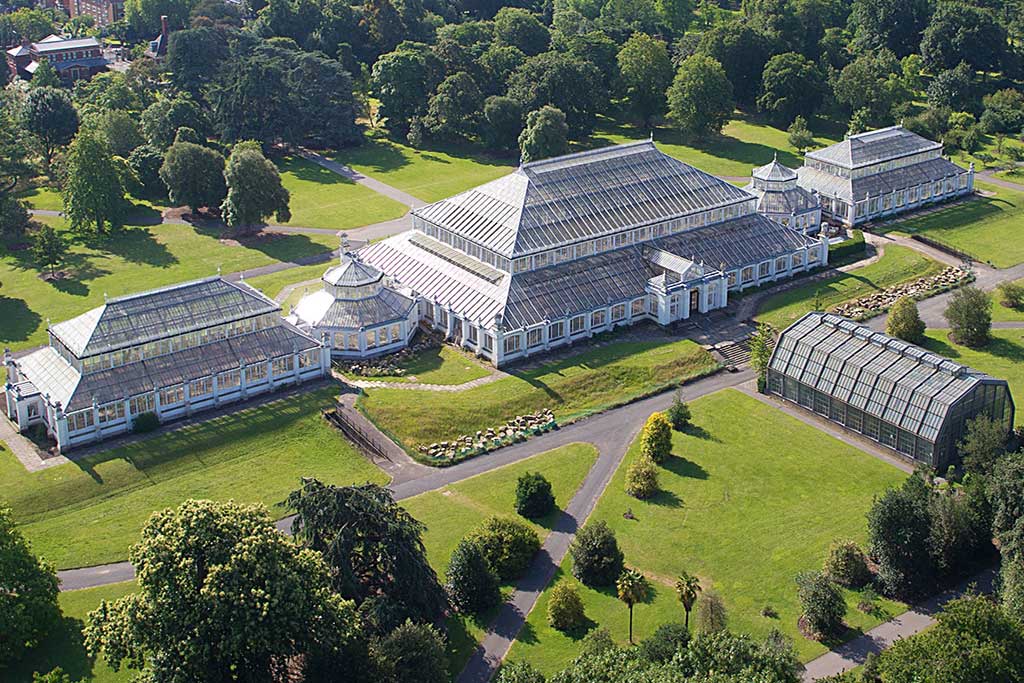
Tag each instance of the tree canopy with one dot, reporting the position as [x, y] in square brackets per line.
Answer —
[254, 189]
[28, 593]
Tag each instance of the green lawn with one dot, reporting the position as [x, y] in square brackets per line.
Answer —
[1001, 313]
[898, 264]
[90, 511]
[750, 498]
[437, 365]
[744, 144]
[64, 646]
[602, 375]
[1002, 358]
[323, 199]
[43, 198]
[272, 284]
[453, 511]
[987, 228]
[429, 174]
[1014, 175]
[132, 260]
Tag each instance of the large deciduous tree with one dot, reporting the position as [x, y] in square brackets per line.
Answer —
[143, 16]
[51, 118]
[646, 70]
[14, 165]
[194, 176]
[120, 130]
[28, 593]
[872, 82]
[471, 583]
[254, 190]
[162, 119]
[898, 537]
[959, 32]
[546, 135]
[700, 98]
[374, 548]
[403, 80]
[983, 444]
[596, 557]
[742, 52]
[93, 190]
[194, 57]
[519, 28]
[455, 108]
[896, 26]
[791, 86]
[503, 121]
[562, 81]
[223, 595]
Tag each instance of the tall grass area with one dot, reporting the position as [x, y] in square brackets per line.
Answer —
[607, 374]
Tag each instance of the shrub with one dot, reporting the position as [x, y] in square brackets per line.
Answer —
[534, 498]
[565, 607]
[656, 439]
[412, 653]
[519, 672]
[145, 422]
[1011, 294]
[596, 558]
[666, 641]
[678, 413]
[642, 478]
[711, 616]
[823, 604]
[847, 565]
[471, 583]
[970, 316]
[508, 545]
[904, 321]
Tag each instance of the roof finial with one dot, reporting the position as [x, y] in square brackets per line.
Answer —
[218, 271]
[104, 297]
[775, 157]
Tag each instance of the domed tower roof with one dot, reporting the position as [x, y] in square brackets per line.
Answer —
[351, 273]
[774, 172]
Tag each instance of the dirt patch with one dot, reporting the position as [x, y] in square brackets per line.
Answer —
[56, 276]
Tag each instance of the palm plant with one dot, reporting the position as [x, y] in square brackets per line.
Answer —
[632, 588]
[687, 588]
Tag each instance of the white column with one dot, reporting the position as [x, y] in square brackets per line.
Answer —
[216, 390]
[242, 383]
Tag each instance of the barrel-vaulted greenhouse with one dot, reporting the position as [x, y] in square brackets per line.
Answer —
[898, 394]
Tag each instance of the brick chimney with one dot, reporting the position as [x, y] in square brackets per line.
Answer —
[163, 27]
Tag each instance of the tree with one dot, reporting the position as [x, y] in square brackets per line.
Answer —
[970, 316]
[1005, 490]
[412, 653]
[565, 607]
[517, 27]
[904, 321]
[28, 593]
[162, 119]
[872, 82]
[596, 558]
[646, 70]
[145, 162]
[954, 543]
[143, 16]
[49, 248]
[45, 76]
[761, 344]
[972, 641]
[632, 587]
[899, 525]
[471, 583]
[14, 217]
[791, 86]
[508, 544]
[846, 564]
[952, 88]
[687, 590]
[403, 80]
[642, 477]
[983, 444]
[562, 81]
[545, 135]
[823, 604]
[1011, 294]
[742, 52]
[667, 640]
[194, 56]
[894, 25]
[678, 413]
[1004, 111]
[519, 672]
[700, 97]
[254, 189]
[799, 135]
[711, 616]
[534, 498]
[51, 118]
[93, 191]
[860, 122]
[119, 129]
[56, 675]
[503, 122]
[221, 591]
[454, 110]
[194, 176]
[374, 548]
[959, 32]
[656, 438]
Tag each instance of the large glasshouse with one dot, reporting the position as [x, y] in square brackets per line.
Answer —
[895, 393]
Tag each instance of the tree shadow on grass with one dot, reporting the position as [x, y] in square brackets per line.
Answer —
[1005, 348]
[135, 245]
[19, 321]
[313, 173]
[665, 498]
[941, 347]
[681, 467]
[698, 432]
[281, 247]
[64, 646]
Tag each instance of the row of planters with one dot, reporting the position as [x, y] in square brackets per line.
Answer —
[519, 428]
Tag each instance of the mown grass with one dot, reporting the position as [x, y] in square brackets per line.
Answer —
[323, 199]
[65, 647]
[986, 227]
[1002, 357]
[603, 375]
[898, 264]
[90, 511]
[1001, 313]
[750, 498]
[131, 260]
[452, 512]
[436, 365]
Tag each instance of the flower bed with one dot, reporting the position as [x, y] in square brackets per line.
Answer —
[879, 302]
[517, 429]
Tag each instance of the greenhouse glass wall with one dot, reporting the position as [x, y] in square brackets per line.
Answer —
[898, 394]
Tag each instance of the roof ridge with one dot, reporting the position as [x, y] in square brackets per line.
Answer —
[587, 152]
[165, 288]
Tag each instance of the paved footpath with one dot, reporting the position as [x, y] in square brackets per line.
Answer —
[357, 177]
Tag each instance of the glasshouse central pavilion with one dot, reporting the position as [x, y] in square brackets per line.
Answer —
[895, 393]
[570, 246]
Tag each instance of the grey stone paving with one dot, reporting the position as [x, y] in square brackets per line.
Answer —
[23, 449]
